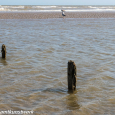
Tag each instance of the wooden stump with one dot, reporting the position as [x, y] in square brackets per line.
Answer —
[71, 75]
[3, 51]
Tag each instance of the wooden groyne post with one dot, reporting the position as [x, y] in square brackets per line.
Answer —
[3, 51]
[71, 74]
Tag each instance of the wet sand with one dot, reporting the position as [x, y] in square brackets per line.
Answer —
[45, 15]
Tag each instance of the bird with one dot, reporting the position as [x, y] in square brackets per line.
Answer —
[63, 14]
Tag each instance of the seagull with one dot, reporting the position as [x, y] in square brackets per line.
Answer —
[63, 14]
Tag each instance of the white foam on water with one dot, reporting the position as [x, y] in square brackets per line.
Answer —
[57, 8]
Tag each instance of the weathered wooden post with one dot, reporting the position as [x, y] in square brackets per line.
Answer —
[71, 75]
[3, 51]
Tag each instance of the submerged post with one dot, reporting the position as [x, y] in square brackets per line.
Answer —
[3, 51]
[71, 75]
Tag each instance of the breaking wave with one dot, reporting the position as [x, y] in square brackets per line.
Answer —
[57, 8]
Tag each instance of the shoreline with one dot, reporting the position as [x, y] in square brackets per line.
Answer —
[46, 15]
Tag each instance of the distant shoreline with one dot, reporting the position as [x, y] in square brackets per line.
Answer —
[46, 15]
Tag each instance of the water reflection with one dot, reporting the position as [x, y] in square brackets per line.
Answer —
[3, 61]
[72, 101]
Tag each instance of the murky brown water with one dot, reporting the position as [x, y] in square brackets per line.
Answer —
[34, 74]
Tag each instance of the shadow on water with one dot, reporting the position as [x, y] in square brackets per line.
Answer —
[53, 90]
[71, 99]
[3, 61]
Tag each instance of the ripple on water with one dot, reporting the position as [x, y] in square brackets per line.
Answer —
[34, 74]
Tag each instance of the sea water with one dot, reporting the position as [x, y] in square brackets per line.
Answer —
[57, 8]
[34, 74]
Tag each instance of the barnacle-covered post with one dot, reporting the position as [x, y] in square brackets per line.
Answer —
[3, 51]
[71, 73]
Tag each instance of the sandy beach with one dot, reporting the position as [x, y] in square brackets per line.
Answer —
[45, 15]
